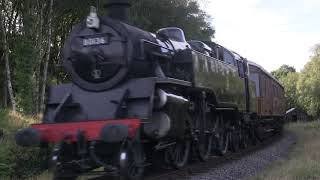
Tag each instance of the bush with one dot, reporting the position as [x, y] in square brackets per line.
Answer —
[17, 162]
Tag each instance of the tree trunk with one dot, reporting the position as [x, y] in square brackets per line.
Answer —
[46, 63]
[4, 87]
[10, 24]
[7, 65]
[5, 94]
[36, 74]
[5, 90]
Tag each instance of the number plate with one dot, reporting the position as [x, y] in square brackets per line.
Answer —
[95, 41]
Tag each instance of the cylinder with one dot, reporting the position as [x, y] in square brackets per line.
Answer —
[159, 126]
[162, 98]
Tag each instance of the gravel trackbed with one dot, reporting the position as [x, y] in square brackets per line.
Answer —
[236, 166]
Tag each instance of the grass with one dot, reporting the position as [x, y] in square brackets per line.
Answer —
[43, 176]
[47, 175]
[16, 162]
[303, 162]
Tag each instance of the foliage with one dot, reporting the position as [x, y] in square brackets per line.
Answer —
[283, 71]
[23, 54]
[288, 77]
[302, 89]
[185, 14]
[16, 162]
[308, 85]
[290, 87]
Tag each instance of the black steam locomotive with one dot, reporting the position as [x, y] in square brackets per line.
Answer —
[139, 98]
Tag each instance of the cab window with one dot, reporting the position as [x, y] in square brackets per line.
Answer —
[241, 69]
[220, 54]
[228, 57]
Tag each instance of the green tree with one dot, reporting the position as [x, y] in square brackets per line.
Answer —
[288, 77]
[152, 15]
[23, 54]
[283, 71]
[309, 84]
[290, 87]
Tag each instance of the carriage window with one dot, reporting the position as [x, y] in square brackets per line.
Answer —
[229, 58]
[255, 78]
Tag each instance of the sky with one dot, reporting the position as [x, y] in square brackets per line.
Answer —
[268, 32]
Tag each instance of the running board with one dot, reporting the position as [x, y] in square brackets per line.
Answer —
[270, 130]
[224, 109]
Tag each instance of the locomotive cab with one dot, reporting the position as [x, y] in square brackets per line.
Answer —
[201, 47]
[176, 37]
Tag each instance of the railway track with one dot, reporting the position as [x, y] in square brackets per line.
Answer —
[196, 168]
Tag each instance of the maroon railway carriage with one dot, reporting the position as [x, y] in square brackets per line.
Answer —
[270, 100]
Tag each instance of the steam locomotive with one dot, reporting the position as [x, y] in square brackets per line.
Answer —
[138, 98]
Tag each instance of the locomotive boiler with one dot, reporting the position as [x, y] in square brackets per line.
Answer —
[139, 98]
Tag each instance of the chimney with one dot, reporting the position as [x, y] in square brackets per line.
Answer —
[118, 9]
